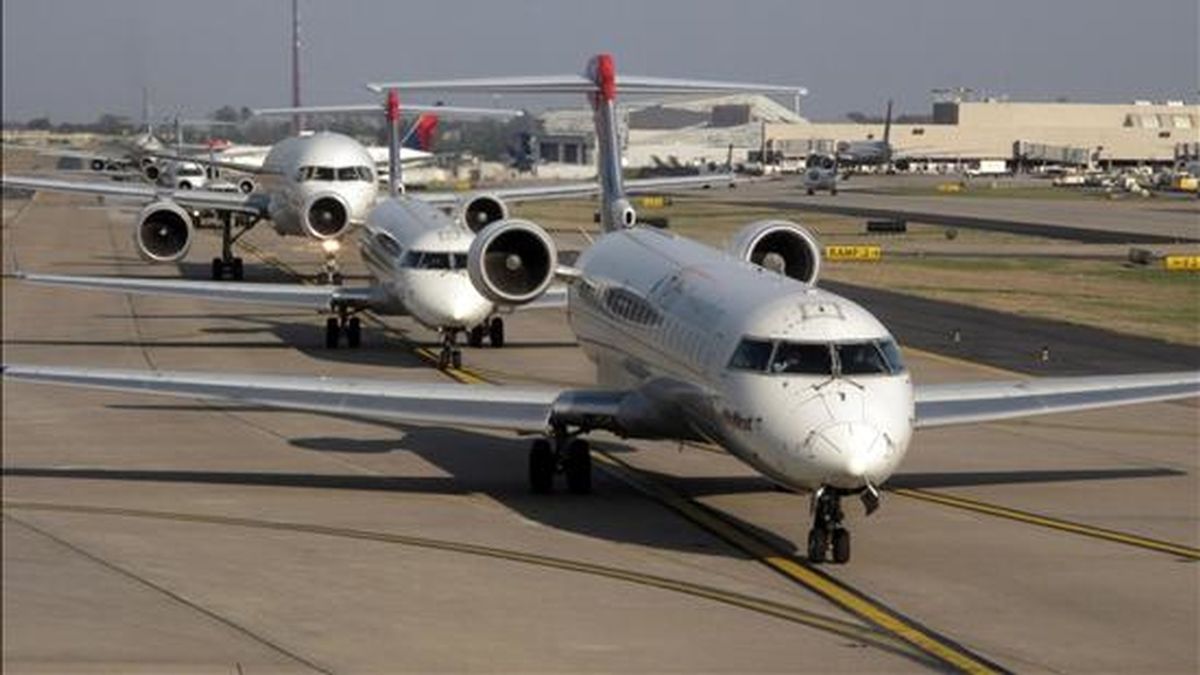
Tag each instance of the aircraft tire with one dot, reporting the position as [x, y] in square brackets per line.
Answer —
[475, 336]
[332, 333]
[811, 192]
[238, 270]
[456, 359]
[578, 467]
[818, 541]
[496, 332]
[354, 333]
[841, 546]
[218, 269]
[541, 467]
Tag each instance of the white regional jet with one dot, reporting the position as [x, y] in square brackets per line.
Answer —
[415, 251]
[317, 185]
[689, 342]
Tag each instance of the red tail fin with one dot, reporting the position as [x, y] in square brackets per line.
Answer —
[424, 133]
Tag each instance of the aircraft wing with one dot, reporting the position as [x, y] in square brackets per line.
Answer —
[568, 190]
[255, 204]
[249, 164]
[486, 406]
[945, 404]
[319, 298]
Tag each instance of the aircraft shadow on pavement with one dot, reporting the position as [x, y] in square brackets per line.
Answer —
[496, 465]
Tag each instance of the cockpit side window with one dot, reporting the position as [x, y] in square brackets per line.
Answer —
[752, 354]
[411, 259]
[323, 173]
[861, 358]
[347, 173]
[877, 357]
[802, 358]
[891, 354]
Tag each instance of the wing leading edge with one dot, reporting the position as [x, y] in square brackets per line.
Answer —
[320, 298]
[945, 404]
[486, 406]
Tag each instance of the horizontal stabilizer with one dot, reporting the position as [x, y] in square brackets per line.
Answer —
[580, 84]
[440, 110]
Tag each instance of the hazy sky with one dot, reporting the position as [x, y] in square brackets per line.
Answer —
[73, 59]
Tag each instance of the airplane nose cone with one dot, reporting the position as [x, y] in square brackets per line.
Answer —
[851, 451]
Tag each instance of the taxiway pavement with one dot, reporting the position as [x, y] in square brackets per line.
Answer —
[161, 535]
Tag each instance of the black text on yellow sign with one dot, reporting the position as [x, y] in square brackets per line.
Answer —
[1182, 263]
[854, 253]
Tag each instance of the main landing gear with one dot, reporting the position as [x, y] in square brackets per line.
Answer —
[565, 454]
[494, 330]
[228, 262]
[343, 324]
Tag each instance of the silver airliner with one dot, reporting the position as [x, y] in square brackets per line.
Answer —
[737, 348]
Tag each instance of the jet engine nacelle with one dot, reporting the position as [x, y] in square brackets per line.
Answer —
[512, 261]
[152, 172]
[780, 246]
[246, 185]
[164, 232]
[326, 216]
[483, 210]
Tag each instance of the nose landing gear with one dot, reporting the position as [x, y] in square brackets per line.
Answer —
[451, 355]
[827, 531]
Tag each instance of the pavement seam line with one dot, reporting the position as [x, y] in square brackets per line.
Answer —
[865, 634]
[107, 564]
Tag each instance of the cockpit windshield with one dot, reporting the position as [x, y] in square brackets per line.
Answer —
[329, 173]
[435, 260]
[782, 357]
[801, 358]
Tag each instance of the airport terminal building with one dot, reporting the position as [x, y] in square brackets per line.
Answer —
[674, 134]
[1023, 133]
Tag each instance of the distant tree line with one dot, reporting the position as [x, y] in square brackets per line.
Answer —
[489, 139]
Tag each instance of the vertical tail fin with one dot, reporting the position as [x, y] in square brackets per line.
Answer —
[393, 122]
[298, 118]
[887, 124]
[423, 133]
[615, 210]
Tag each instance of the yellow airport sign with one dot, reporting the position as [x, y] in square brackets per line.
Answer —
[854, 253]
[1182, 263]
[654, 201]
